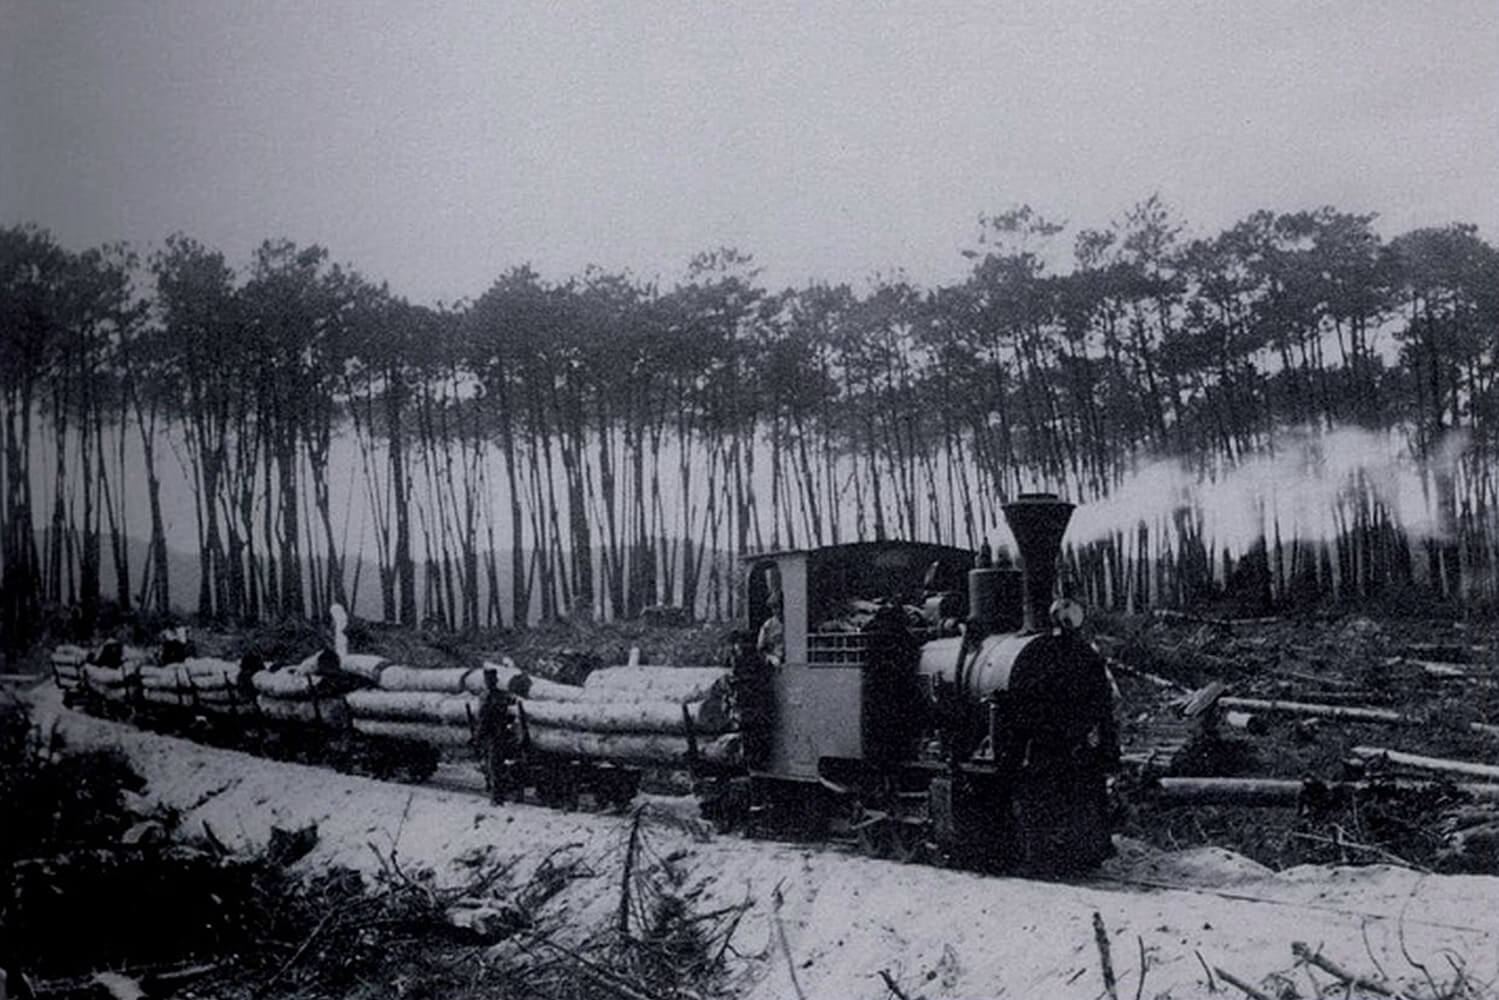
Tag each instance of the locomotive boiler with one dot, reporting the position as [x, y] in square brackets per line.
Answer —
[921, 699]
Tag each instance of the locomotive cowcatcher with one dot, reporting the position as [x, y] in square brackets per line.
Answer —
[924, 701]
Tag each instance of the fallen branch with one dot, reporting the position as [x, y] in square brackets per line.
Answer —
[1208, 971]
[890, 984]
[296, 956]
[1350, 979]
[1146, 675]
[1441, 765]
[1286, 792]
[1144, 966]
[1353, 845]
[775, 916]
[1101, 938]
[604, 977]
[728, 934]
[1240, 985]
[1347, 713]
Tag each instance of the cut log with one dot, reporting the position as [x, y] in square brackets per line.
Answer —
[709, 716]
[120, 986]
[69, 656]
[287, 684]
[1450, 671]
[1440, 765]
[1280, 791]
[367, 666]
[328, 711]
[415, 732]
[181, 677]
[207, 666]
[1348, 713]
[115, 694]
[225, 696]
[505, 674]
[1120, 666]
[167, 696]
[659, 749]
[1202, 699]
[655, 683]
[446, 680]
[413, 706]
[102, 678]
[1445, 652]
[1245, 721]
[541, 689]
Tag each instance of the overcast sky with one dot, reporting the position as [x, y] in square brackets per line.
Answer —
[436, 145]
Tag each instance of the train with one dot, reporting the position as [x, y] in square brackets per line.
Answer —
[918, 702]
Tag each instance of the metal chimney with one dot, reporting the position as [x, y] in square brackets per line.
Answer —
[1038, 521]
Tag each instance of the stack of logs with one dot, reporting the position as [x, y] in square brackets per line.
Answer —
[642, 715]
[637, 714]
[649, 715]
[301, 693]
[112, 676]
[201, 682]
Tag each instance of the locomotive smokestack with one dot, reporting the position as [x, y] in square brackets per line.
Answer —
[1038, 520]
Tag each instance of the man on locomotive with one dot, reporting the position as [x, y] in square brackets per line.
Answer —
[495, 735]
[771, 642]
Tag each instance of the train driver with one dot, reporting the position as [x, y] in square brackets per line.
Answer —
[772, 639]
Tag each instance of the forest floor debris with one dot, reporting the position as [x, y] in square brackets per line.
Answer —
[1372, 684]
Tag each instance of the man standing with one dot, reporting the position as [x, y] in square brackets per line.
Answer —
[496, 740]
[771, 642]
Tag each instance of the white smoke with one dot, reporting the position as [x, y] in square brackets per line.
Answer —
[1308, 487]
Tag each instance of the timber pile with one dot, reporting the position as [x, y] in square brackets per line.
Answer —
[68, 662]
[434, 705]
[641, 715]
[202, 682]
[117, 684]
[67, 666]
[300, 693]
[655, 683]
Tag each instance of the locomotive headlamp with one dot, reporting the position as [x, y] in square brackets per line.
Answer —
[1067, 614]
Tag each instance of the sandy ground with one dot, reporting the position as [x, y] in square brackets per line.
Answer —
[823, 924]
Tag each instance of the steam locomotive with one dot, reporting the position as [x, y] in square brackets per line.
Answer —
[966, 717]
[909, 698]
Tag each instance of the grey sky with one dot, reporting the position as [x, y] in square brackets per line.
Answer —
[437, 144]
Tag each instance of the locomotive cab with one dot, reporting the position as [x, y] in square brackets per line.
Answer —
[841, 690]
